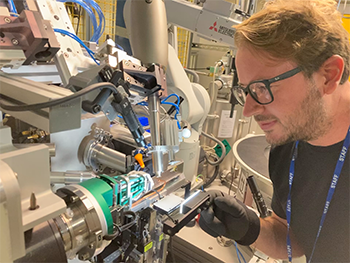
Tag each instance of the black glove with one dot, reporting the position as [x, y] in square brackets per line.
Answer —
[229, 217]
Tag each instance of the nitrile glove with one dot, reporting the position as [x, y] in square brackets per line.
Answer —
[229, 217]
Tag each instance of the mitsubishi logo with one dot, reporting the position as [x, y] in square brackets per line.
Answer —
[213, 27]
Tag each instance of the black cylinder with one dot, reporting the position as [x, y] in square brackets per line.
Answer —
[44, 244]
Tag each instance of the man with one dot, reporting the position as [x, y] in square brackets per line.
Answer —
[293, 64]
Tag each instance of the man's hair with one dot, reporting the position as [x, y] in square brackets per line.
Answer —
[305, 31]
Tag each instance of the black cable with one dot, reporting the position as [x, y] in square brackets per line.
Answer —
[172, 219]
[207, 68]
[213, 177]
[52, 103]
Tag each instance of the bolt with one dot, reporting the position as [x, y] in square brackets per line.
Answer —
[127, 63]
[69, 213]
[91, 246]
[33, 205]
[140, 67]
[66, 55]
[210, 248]
[96, 108]
[7, 20]
[73, 198]
[128, 79]
[99, 237]
[14, 41]
[85, 256]
[199, 210]
[2, 40]
[207, 203]
[169, 231]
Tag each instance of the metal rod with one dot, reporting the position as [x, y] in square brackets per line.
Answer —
[154, 121]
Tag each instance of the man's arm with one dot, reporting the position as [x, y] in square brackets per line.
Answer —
[272, 239]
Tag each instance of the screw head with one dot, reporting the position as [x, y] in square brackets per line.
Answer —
[14, 41]
[7, 20]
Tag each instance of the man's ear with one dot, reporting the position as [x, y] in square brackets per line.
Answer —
[331, 72]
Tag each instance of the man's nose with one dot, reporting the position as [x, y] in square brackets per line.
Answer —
[251, 107]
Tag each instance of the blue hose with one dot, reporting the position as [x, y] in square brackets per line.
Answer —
[65, 32]
[12, 7]
[88, 10]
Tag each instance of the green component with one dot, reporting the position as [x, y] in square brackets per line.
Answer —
[103, 193]
[102, 189]
[218, 149]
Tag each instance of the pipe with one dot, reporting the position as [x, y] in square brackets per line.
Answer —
[223, 148]
[110, 158]
[192, 73]
[154, 122]
[70, 177]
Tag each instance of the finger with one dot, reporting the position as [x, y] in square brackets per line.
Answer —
[214, 193]
[230, 205]
[208, 215]
[215, 228]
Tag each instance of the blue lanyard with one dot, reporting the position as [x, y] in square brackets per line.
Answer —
[332, 187]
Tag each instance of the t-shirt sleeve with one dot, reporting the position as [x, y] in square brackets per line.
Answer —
[277, 206]
[278, 170]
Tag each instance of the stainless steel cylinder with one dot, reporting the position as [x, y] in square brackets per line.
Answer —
[110, 158]
[154, 121]
[83, 225]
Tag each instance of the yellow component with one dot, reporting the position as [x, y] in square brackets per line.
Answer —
[35, 136]
[138, 157]
[25, 132]
[148, 246]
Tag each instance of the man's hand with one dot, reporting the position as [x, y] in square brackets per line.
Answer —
[229, 217]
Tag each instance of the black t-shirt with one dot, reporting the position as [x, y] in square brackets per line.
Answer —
[314, 168]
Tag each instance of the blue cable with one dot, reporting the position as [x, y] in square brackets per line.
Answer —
[67, 33]
[119, 46]
[99, 31]
[12, 7]
[172, 104]
[173, 95]
[177, 111]
[87, 9]
[239, 253]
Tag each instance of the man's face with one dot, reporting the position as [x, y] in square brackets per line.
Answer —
[297, 112]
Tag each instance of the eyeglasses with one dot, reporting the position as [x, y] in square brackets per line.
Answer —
[260, 89]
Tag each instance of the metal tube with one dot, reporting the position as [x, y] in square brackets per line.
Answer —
[110, 158]
[154, 121]
[72, 177]
[52, 147]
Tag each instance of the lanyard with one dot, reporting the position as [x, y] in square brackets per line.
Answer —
[332, 187]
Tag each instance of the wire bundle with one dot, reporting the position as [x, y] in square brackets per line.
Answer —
[177, 106]
[76, 38]
[87, 4]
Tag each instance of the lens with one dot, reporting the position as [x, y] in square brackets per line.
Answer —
[260, 92]
[240, 95]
